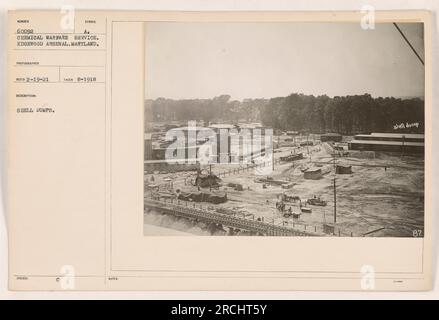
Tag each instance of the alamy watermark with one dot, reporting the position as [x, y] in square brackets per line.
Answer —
[67, 280]
[367, 277]
[67, 21]
[367, 21]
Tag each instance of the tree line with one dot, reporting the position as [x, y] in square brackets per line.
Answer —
[220, 108]
[299, 112]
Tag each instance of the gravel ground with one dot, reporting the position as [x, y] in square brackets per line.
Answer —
[371, 198]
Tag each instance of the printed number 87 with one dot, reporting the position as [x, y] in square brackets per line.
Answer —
[417, 233]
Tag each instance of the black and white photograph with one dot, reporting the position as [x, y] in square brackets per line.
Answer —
[219, 151]
[284, 129]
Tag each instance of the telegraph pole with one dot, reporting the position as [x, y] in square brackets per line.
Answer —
[402, 151]
[335, 203]
[272, 153]
[335, 190]
[307, 146]
[210, 177]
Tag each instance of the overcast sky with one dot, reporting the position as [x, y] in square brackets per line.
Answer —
[254, 60]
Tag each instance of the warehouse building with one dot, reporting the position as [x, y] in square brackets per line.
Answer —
[150, 166]
[388, 142]
[331, 137]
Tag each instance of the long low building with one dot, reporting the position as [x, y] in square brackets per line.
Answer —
[333, 137]
[410, 137]
[170, 166]
[388, 142]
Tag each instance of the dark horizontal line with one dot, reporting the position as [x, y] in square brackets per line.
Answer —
[42, 65]
[20, 49]
[265, 271]
[215, 277]
[55, 276]
[61, 33]
[257, 277]
[59, 82]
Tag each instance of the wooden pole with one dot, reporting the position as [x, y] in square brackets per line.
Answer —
[403, 140]
[335, 203]
[272, 158]
[210, 177]
[335, 193]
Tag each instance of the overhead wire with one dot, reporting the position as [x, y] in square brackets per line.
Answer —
[408, 42]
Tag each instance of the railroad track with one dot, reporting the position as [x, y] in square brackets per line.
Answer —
[179, 209]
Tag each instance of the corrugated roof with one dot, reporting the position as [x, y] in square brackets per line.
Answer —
[392, 143]
[186, 128]
[251, 125]
[398, 135]
[222, 125]
[173, 161]
[331, 134]
[313, 170]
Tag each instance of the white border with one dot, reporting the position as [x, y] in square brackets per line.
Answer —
[218, 5]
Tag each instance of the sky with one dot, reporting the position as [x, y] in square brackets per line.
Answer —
[265, 60]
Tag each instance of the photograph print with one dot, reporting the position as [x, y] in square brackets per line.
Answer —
[284, 129]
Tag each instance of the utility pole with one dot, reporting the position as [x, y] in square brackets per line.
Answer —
[335, 203]
[272, 156]
[335, 191]
[403, 140]
[307, 143]
[210, 177]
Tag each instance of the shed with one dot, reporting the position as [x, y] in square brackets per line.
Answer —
[340, 169]
[313, 174]
[329, 228]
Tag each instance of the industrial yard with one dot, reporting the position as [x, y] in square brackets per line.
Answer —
[314, 188]
[345, 131]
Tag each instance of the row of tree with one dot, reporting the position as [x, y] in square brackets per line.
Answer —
[219, 108]
[299, 112]
[345, 115]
